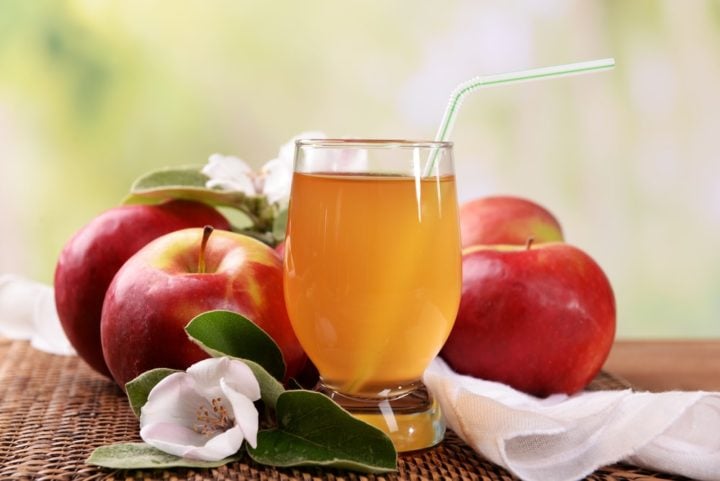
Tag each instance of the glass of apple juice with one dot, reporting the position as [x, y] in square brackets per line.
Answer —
[372, 275]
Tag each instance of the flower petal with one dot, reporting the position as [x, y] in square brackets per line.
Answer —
[287, 151]
[278, 177]
[218, 447]
[277, 172]
[244, 411]
[241, 379]
[226, 166]
[175, 399]
[207, 375]
[173, 438]
[228, 172]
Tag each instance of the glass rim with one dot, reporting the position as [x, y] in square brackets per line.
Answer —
[374, 143]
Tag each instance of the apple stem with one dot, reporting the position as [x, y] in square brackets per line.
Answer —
[529, 243]
[207, 230]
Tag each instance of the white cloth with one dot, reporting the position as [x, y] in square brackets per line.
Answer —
[567, 437]
[27, 311]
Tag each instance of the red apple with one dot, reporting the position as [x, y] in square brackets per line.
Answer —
[506, 220]
[280, 249]
[94, 254]
[540, 318]
[162, 287]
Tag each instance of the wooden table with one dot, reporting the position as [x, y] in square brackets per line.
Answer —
[54, 410]
[665, 365]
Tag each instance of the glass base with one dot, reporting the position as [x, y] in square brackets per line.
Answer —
[410, 417]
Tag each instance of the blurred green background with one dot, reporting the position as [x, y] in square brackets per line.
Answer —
[94, 93]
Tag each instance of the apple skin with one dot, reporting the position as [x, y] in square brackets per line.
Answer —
[158, 291]
[506, 220]
[539, 318]
[280, 249]
[90, 259]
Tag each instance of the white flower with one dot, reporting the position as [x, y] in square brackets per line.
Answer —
[278, 172]
[204, 413]
[227, 172]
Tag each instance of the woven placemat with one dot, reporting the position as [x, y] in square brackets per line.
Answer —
[55, 410]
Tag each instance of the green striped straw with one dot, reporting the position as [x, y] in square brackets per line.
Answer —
[473, 84]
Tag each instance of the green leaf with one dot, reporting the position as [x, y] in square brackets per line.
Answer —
[142, 456]
[238, 219]
[221, 335]
[280, 225]
[190, 176]
[180, 183]
[232, 334]
[139, 388]
[314, 430]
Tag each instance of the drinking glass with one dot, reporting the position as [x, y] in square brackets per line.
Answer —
[372, 275]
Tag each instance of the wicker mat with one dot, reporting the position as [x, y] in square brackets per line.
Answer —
[55, 410]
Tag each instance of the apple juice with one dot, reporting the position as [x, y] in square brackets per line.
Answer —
[372, 275]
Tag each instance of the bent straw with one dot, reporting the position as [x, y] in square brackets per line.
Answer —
[462, 90]
[369, 368]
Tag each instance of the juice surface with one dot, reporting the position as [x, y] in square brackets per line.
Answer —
[372, 275]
